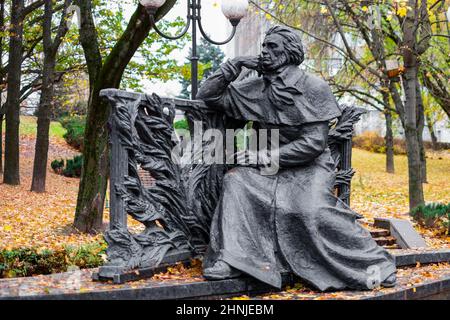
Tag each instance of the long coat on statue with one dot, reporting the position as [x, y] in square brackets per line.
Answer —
[291, 220]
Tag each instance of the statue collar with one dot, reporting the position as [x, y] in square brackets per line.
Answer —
[289, 75]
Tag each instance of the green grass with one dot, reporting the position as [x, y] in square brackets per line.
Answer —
[28, 126]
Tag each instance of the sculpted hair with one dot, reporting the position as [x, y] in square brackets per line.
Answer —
[292, 43]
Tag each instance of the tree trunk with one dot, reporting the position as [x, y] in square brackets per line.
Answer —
[409, 29]
[1, 138]
[411, 133]
[95, 173]
[412, 144]
[414, 161]
[434, 141]
[2, 26]
[11, 173]
[390, 167]
[43, 122]
[389, 138]
[377, 49]
[420, 127]
[42, 138]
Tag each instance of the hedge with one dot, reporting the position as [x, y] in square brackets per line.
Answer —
[75, 127]
[25, 262]
[373, 142]
[70, 168]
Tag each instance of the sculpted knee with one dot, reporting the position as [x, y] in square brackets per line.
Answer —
[234, 176]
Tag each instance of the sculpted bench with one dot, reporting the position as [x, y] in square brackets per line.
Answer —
[174, 203]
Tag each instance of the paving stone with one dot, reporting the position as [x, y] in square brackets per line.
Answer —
[198, 288]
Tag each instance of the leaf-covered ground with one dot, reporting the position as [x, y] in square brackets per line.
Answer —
[44, 220]
[28, 219]
[79, 281]
[376, 193]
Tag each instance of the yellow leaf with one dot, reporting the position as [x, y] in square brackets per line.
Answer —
[268, 16]
[402, 11]
[364, 8]
[7, 228]
[241, 298]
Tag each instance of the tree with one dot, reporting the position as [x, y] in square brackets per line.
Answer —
[413, 24]
[103, 73]
[210, 59]
[2, 29]
[51, 47]
[11, 174]
[434, 73]
[19, 12]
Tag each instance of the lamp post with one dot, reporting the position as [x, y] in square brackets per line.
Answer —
[234, 11]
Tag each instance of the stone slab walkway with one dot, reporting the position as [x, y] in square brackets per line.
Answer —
[414, 282]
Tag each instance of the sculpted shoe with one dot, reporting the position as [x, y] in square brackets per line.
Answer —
[221, 270]
[390, 282]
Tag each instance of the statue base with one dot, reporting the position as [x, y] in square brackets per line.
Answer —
[120, 275]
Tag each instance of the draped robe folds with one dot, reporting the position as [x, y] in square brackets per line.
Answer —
[291, 220]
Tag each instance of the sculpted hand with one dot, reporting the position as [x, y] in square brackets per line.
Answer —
[250, 62]
[252, 158]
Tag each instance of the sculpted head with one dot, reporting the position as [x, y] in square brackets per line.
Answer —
[281, 47]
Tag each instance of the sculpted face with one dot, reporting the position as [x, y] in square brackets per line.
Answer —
[273, 53]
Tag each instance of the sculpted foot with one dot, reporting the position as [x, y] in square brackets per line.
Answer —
[221, 270]
[390, 282]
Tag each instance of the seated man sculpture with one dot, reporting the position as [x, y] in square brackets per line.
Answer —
[290, 221]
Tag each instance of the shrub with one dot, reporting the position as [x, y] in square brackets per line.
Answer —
[181, 124]
[373, 142]
[75, 127]
[32, 261]
[58, 166]
[71, 169]
[434, 215]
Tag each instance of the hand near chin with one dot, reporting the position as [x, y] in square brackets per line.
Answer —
[250, 62]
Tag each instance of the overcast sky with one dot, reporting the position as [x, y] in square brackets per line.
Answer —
[214, 23]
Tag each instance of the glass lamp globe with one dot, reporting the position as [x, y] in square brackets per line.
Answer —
[154, 4]
[234, 10]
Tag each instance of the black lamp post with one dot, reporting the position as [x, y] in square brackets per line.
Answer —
[234, 10]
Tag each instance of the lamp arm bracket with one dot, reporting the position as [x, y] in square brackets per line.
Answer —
[233, 32]
[170, 37]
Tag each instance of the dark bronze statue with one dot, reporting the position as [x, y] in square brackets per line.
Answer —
[295, 219]
[290, 221]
